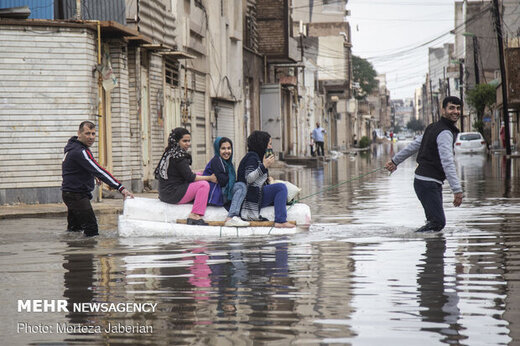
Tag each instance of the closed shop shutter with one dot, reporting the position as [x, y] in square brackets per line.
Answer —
[225, 120]
[198, 129]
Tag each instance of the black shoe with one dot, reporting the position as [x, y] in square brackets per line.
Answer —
[263, 219]
[199, 222]
[428, 228]
[74, 230]
[91, 234]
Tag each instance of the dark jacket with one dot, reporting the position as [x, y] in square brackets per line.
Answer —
[428, 156]
[253, 173]
[172, 190]
[217, 167]
[79, 169]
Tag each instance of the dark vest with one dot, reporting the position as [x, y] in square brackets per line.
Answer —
[428, 157]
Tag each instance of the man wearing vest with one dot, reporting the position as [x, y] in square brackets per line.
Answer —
[435, 164]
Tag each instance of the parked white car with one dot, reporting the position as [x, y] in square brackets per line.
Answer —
[470, 142]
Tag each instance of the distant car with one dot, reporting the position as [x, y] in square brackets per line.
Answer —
[470, 142]
[401, 137]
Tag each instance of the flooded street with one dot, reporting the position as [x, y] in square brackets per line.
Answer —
[359, 276]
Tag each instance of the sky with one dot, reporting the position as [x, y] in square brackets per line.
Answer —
[394, 36]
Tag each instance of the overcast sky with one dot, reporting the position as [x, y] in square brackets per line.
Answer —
[389, 32]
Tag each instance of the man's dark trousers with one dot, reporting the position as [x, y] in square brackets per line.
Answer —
[430, 195]
[80, 215]
[319, 145]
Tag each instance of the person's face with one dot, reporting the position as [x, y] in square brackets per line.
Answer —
[185, 142]
[270, 144]
[87, 136]
[317, 124]
[225, 150]
[451, 112]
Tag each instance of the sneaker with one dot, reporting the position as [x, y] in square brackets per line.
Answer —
[235, 221]
[199, 222]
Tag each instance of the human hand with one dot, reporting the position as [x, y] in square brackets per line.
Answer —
[127, 194]
[98, 181]
[268, 161]
[213, 178]
[270, 180]
[457, 199]
[391, 166]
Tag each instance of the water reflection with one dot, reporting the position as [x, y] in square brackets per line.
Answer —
[438, 295]
[78, 263]
[366, 279]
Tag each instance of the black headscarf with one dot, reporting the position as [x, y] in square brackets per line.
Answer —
[257, 142]
[173, 150]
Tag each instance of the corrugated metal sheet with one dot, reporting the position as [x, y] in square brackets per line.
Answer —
[93, 10]
[40, 9]
[48, 88]
[156, 22]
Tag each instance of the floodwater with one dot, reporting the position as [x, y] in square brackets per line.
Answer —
[359, 276]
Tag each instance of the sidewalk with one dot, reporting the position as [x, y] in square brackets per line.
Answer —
[106, 206]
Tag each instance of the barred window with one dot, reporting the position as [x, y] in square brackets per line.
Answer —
[172, 72]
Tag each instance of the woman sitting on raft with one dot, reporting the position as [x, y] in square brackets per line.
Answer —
[253, 170]
[177, 182]
[227, 191]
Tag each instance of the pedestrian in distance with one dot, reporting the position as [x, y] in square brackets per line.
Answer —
[503, 135]
[311, 145]
[253, 170]
[317, 135]
[227, 191]
[435, 164]
[178, 184]
[79, 170]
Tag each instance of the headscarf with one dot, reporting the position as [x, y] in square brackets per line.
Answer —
[173, 150]
[257, 142]
[228, 164]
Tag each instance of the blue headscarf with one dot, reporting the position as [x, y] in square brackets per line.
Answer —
[228, 189]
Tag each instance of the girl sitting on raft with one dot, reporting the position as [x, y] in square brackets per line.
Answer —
[227, 191]
[253, 170]
[177, 182]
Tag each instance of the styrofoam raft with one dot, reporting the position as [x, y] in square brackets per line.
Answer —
[147, 217]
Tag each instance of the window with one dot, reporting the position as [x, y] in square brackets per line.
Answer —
[172, 72]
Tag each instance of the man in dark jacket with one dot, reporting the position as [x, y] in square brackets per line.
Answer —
[435, 164]
[79, 168]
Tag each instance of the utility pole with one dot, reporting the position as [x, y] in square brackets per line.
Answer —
[505, 106]
[461, 88]
[431, 102]
[475, 60]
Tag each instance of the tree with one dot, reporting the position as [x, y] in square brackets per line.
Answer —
[415, 125]
[364, 76]
[479, 98]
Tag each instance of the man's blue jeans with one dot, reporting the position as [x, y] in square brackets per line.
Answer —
[239, 193]
[430, 195]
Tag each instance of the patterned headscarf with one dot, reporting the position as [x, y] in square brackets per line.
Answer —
[173, 150]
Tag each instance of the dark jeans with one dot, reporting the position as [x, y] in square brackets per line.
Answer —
[319, 145]
[430, 195]
[80, 215]
[276, 194]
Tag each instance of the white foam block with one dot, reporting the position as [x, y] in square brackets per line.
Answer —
[150, 209]
[142, 228]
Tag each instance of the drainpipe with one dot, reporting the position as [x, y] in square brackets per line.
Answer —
[101, 109]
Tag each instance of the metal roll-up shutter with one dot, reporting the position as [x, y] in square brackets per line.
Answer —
[198, 129]
[225, 120]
